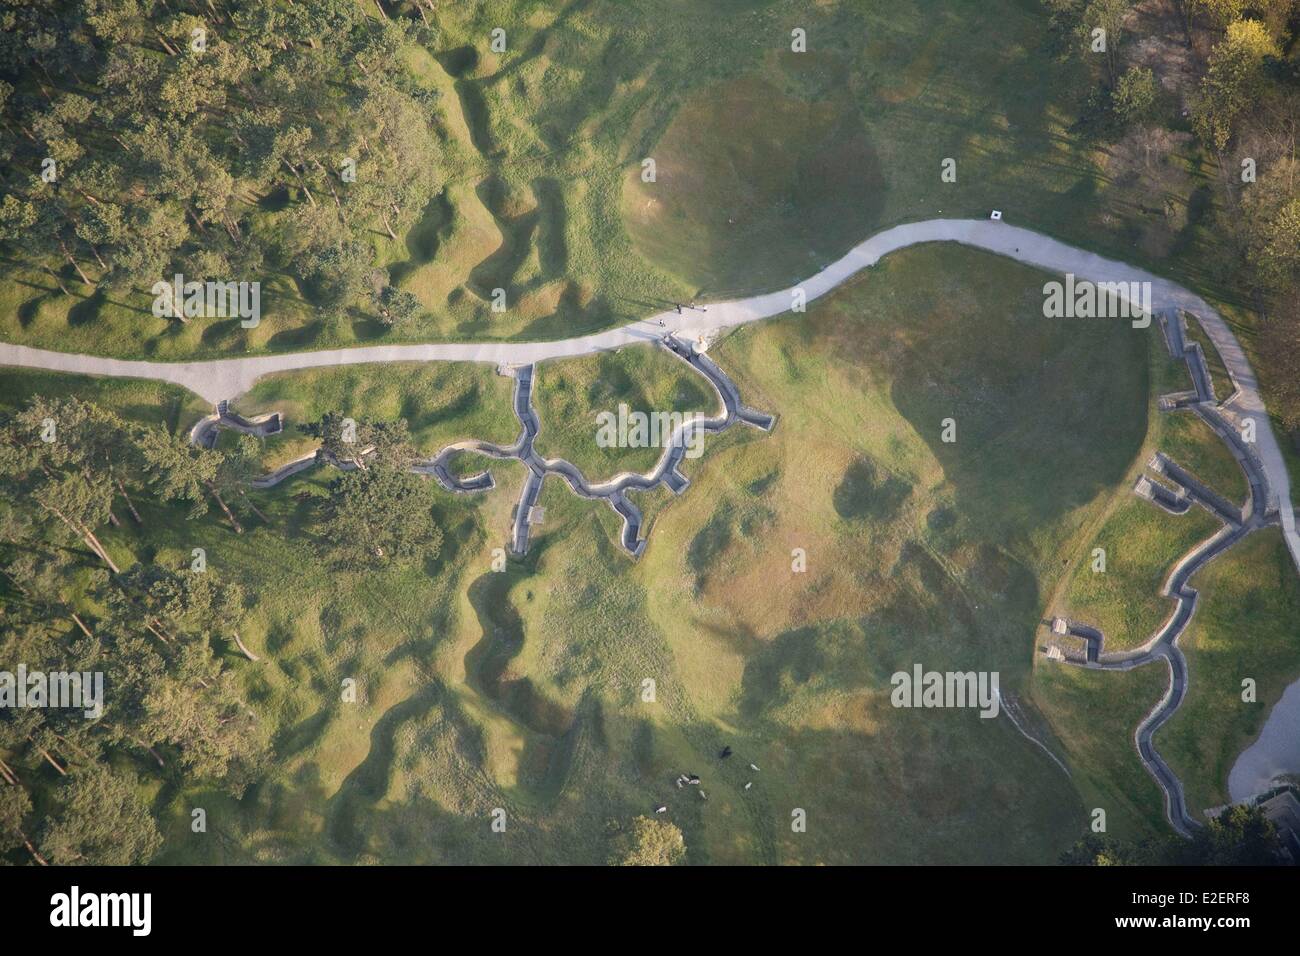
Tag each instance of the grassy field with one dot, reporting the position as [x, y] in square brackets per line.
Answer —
[442, 403]
[792, 670]
[569, 395]
[1241, 628]
[1143, 542]
[312, 625]
[524, 690]
[769, 163]
[917, 551]
[1095, 715]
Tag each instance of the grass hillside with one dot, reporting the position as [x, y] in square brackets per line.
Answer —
[526, 691]
[944, 462]
[1143, 542]
[910, 559]
[570, 394]
[441, 403]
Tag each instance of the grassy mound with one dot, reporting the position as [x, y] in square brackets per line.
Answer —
[754, 182]
[1142, 542]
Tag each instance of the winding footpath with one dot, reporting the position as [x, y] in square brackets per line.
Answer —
[223, 379]
[1237, 522]
[1270, 488]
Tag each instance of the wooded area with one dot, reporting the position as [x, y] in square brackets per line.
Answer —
[220, 140]
[1224, 72]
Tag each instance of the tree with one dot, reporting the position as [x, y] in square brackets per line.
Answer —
[55, 454]
[1241, 836]
[1233, 81]
[217, 736]
[1219, 12]
[379, 516]
[1109, 16]
[241, 465]
[183, 472]
[361, 442]
[164, 153]
[1271, 223]
[397, 307]
[175, 693]
[1135, 95]
[1098, 850]
[99, 819]
[648, 842]
[15, 806]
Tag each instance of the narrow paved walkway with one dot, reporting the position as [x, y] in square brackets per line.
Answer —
[1237, 523]
[228, 378]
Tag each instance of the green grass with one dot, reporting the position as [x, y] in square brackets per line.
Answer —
[569, 395]
[146, 401]
[523, 690]
[441, 402]
[1244, 627]
[1143, 542]
[935, 553]
[312, 625]
[1095, 715]
[1223, 387]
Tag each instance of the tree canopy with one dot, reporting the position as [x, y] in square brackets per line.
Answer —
[225, 141]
